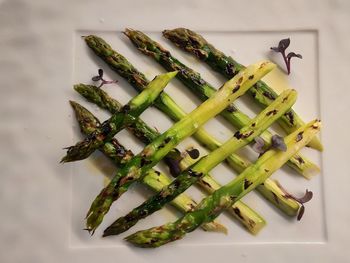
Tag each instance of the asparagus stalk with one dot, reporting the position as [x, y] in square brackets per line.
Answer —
[207, 163]
[270, 190]
[211, 206]
[240, 211]
[204, 90]
[261, 92]
[119, 120]
[155, 180]
[135, 169]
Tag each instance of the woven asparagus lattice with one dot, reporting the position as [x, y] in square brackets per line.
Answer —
[191, 167]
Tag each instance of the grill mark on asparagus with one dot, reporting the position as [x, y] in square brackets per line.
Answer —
[230, 69]
[144, 161]
[268, 95]
[253, 93]
[238, 212]
[275, 198]
[299, 159]
[240, 135]
[290, 116]
[125, 109]
[233, 197]
[192, 206]
[166, 140]
[247, 183]
[206, 184]
[251, 223]
[235, 89]
[231, 109]
[299, 137]
[194, 173]
[273, 112]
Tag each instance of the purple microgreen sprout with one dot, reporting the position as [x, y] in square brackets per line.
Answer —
[193, 153]
[302, 200]
[277, 142]
[259, 144]
[99, 77]
[281, 48]
[173, 160]
[173, 165]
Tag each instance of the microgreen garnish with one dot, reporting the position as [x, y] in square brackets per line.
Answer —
[277, 142]
[259, 145]
[99, 77]
[193, 153]
[281, 48]
[173, 165]
[173, 160]
[302, 200]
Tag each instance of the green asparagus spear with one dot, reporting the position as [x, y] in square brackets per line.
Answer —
[135, 169]
[207, 163]
[155, 180]
[202, 88]
[261, 92]
[119, 120]
[240, 211]
[270, 190]
[211, 206]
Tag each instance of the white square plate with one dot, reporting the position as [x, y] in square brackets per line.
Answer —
[42, 55]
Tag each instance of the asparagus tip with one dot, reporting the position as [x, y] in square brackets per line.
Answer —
[77, 108]
[128, 31]
[316, 144]
[64, 159]
[79, 87]
[220, 228]
[91, 232]
[73, 103]
[109, 232]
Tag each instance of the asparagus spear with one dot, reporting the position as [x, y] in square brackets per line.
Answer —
[119, 120]
[240, 211]
[261, 92]
[135, 169]
[155, 180]
[270, 190]
[207, 163]
[204, 90]
[211, 206]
